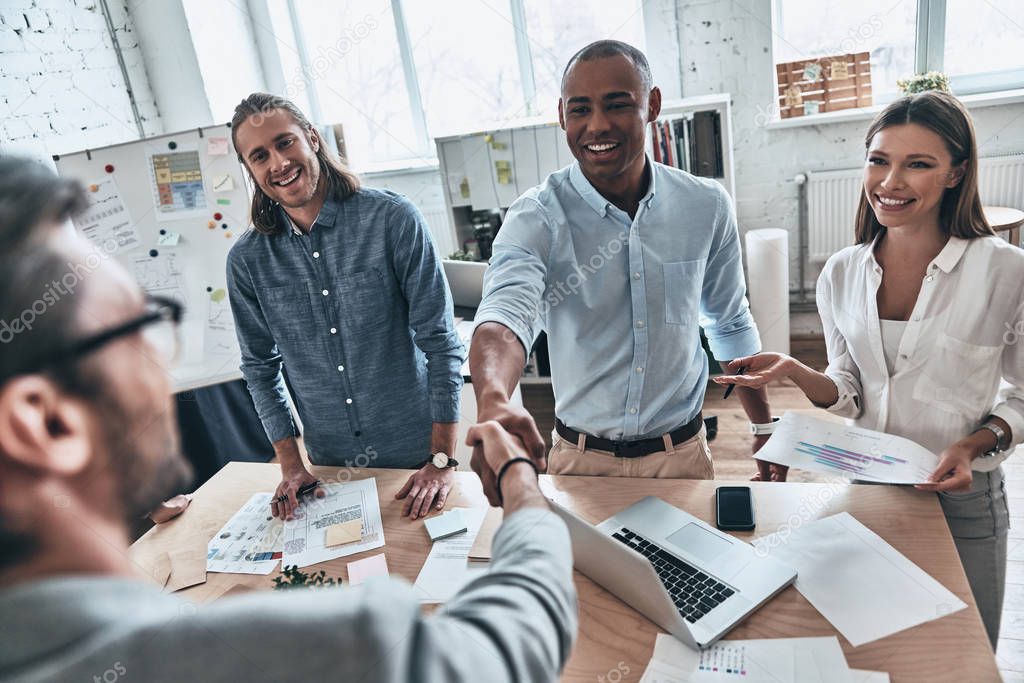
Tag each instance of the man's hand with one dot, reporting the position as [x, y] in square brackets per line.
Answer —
[767, 471]
[516, 420]
[428, 487]
[292, 479]
[493, 446]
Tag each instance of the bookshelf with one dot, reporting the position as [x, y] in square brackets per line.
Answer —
[483, 172]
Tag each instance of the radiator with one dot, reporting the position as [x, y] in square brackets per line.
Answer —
[832, 198]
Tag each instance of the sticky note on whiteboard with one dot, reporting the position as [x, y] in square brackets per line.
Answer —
[223, 183]
[217, 147]
[169, 239]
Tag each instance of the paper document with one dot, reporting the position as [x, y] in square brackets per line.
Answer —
[775, 660]
[448, 568]
[808, 443]
[860, 583]
[372, 567]
[251, 541]
[106, 222]
[305, 537]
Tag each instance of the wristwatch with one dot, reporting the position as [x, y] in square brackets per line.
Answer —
[763, 429]
[1000, 439]
[442, 460]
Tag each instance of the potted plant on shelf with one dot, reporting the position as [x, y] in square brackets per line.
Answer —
[933, 80]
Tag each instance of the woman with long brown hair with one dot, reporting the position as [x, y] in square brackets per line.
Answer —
[915, 317]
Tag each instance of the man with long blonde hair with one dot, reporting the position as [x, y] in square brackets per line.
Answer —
[341, 285]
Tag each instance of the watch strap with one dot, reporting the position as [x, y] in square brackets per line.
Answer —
[764, 429]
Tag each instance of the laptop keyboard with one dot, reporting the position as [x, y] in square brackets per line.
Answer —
[693, 592]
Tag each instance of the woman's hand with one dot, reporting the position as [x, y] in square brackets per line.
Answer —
[759, 370]
[954, 470]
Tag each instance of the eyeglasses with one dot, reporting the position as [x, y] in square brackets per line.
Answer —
[159, 325]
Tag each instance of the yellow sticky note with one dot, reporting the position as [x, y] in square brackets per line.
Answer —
[218, 295]
[346, 532]
[223, 183]
[839, 70]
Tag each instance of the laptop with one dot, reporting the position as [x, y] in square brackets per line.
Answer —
[466, 282]
[687, 577]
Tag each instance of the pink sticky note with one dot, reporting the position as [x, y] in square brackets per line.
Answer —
[217, 147]
[363, 570]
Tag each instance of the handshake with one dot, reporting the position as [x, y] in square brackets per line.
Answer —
[508, 454]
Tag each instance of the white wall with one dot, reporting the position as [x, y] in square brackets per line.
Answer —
[61, 89]
[726, 46]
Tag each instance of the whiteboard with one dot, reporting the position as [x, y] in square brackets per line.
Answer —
[169, 208]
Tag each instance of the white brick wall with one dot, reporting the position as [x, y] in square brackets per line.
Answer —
[726, 47]
[61, 88]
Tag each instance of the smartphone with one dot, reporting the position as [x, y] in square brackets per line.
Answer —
[734, 509]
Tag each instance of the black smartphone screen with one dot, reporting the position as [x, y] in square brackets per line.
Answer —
[735, 509]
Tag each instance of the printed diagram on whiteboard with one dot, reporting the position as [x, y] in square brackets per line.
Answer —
[160, 276]
[219, 340]
[177, 184]
[106, 222]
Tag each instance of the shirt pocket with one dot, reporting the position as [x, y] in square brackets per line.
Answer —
[958, 377]
[366, 299]
[683, 283]
[288, 312]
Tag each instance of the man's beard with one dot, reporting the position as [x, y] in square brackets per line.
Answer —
[144, 454]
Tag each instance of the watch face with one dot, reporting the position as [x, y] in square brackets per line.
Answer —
[440, 460]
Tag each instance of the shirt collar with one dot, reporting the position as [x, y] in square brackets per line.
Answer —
[946, 260]
[325, 219]
[595, 199]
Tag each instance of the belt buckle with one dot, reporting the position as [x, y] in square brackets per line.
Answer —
[621, 446]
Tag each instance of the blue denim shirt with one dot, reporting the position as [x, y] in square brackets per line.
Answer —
[623, 299]
[359, 313]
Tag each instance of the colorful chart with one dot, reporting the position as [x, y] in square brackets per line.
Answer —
[842, 459]
[724, 659]
[177, 183]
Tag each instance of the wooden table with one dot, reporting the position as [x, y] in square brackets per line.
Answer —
[1003, 218]
[612, 635]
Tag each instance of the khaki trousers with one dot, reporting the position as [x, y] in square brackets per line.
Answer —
[688, 460]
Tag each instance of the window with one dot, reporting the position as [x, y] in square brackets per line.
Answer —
[397, 73]
[978, 44]
[808, 29]
[984, 44]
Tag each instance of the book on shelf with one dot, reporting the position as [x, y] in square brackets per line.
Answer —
[692, 142]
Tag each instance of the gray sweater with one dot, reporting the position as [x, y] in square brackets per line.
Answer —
[516, 623]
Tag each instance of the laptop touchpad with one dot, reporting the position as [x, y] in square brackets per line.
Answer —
[698, 542]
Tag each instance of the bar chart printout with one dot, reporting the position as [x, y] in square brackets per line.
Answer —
[826, 447]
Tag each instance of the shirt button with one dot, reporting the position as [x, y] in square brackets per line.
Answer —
[639, 369]
[930, 278]
[632, 411]
[316, 254]
[348, 401]
[636, 276]
[341, 368]
[325, 292]
[917, 318]
[639, 323]
[334, 330]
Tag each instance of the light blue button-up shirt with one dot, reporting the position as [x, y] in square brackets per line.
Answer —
[621, 298]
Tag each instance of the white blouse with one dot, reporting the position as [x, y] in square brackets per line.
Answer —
[961, 356]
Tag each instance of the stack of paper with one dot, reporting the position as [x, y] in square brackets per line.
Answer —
[344, 522]
[837, 449]
[448, 568]
[777, 660]
[860, 583]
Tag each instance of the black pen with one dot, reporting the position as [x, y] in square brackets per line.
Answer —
[728, 389]
[303, 490]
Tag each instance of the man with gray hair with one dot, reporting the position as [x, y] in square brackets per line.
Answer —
[88, 442]
[621, 260]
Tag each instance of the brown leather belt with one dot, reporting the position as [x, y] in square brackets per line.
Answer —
[631, 449]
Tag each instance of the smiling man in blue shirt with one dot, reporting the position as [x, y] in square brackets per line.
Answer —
[622, 261]
[341, 285]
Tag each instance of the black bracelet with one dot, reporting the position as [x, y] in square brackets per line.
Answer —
[504, 468]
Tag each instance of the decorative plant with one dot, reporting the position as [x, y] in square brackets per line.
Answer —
[291, 577]
[933, 80]
[460, 256]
